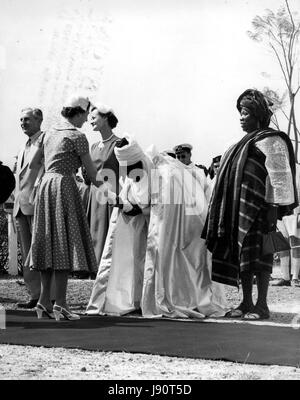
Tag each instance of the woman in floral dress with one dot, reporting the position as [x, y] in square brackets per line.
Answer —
[61, 238]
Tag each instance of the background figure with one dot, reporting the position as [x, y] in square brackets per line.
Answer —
[213, 169]
[31, 120]
[255, 186]
[7, 182]
[7, 185]
[184, 154]
[206, 171]
[290, 260]
[12, 240]
[103, 121]
[61, 238]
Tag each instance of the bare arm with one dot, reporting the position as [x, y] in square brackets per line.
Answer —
[90, 169]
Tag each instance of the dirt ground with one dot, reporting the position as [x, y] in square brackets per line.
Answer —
[27, 363]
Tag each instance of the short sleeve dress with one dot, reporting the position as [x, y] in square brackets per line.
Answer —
[61, 237]
[105, 161]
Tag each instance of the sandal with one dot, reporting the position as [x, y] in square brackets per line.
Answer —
[234, 313]
[256, 315]
[238, 312]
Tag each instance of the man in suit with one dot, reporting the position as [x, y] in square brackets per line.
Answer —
[31, 120]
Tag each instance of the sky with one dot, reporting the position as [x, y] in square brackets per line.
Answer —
[171, 70]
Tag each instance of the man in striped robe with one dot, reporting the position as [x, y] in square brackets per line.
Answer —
[255, 185]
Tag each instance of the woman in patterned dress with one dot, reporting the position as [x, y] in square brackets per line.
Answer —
[103, 120]
[61, 238]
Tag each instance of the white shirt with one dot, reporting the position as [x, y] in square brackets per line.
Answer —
[30, 142]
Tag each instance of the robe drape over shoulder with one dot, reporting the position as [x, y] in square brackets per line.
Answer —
[156, 260]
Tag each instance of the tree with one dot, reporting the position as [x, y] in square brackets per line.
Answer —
[278, 103]
[280, 31]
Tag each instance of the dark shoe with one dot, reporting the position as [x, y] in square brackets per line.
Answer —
[281, 282]
[30, 304]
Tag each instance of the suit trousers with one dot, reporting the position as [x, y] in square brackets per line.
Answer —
[31, 278]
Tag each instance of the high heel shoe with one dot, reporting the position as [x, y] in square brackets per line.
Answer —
[63, 312]
[40, 309]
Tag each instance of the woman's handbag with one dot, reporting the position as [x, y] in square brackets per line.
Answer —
[274, 242]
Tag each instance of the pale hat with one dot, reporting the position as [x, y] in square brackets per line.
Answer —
[183, 147]
[77, 101]
[103, 108]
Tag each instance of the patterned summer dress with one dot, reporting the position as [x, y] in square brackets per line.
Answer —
[61, 236]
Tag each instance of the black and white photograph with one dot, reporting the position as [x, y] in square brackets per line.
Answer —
[150, 193]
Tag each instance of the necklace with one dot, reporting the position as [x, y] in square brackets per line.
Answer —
[106, 140]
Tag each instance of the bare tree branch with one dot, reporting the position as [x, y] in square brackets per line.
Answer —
[280, 63]
[281, 32]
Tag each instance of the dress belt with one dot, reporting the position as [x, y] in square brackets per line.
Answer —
[60, 173]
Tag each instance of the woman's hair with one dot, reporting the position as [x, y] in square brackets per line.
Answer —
[71, 112]
[112, 120]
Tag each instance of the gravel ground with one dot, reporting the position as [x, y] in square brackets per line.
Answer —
[58, 363]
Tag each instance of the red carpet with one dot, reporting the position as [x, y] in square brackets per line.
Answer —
[243, 343]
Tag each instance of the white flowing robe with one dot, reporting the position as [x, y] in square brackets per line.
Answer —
[177, 277]
[118, 286]
[159, 262]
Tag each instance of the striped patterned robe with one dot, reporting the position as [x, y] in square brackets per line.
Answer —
[238, 211]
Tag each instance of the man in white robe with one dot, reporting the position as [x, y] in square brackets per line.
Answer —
[155, 260]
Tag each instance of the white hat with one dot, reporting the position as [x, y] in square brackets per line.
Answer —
[78, 101]
[183, 147]
[102, 108]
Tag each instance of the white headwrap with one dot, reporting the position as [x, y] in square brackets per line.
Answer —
[131, 153]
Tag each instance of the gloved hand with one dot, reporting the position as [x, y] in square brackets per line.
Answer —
[105, 195]
[122, 142]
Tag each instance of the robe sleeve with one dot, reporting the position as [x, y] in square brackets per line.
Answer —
[279, 181]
